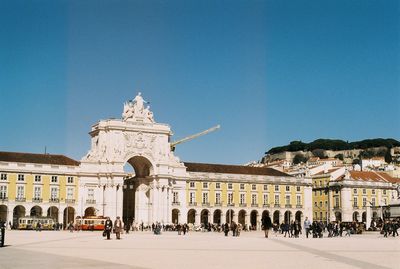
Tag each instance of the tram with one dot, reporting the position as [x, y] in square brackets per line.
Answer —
[89, 223]
[30, 223]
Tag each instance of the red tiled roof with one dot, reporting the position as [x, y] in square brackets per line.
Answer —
[233, 169]
[374, 176]
[20, 157]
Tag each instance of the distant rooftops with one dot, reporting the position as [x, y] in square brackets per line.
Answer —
[373, 176]
[233, 169]
[20, 157]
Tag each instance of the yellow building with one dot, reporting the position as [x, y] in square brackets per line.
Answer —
[38, 185]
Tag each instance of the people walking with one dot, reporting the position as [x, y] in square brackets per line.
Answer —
[118, 227]
[307, 225]
[108, 225]
[267, 224]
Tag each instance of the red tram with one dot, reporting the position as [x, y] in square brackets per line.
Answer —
[91, 223]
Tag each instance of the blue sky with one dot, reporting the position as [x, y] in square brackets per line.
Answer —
[268, 71]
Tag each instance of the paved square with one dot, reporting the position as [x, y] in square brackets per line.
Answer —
[49, 249]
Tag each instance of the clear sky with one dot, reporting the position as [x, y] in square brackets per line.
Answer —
[268, 71]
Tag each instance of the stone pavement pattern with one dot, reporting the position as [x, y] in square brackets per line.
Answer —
[48, 249]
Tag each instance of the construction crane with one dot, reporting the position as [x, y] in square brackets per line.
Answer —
[183, 140]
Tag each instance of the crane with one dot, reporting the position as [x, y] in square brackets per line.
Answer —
[183, 140]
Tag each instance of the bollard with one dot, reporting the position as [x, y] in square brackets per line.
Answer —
[2, 235]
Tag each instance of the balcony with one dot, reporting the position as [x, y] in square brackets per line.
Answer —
[231, 204]
[299, 206]
[192, 204]
[243, 205]
[336, 207]
[288, 206]
[218, 204]
[37, 200]
[54, 200]
[20, 199]
[205, 204]
[3, 199]
[266, 205]
[90, 201]
[254, 205]
[176, 203]
[70, 201]
[277, 205]
[355, 207]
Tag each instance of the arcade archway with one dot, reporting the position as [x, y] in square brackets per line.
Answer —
[3, 213]
[36, 211]
[191, 216]
[18, 212]
[217, 217]
[254, 219]
[69, 215]
[204, 216]
[52, 212]
[90, 212]
[175, 216]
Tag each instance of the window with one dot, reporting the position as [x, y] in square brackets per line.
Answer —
[315, 204]
[3, 177]
[320, 192]
[355, 202]
[218, 198]
[288, 199]
[38, 178]
[320, 204]
[3, 192]
[218, 185]
[364, 202]
[265, 199]
[242, 198]
[70, 193]
[205, 197]
[276, 187]
[355, 191]
[373, 191]
[373, 201]
[230, 198]
[70, 179]
[205, 185]
[384, 201]
[191, 184]
[37, 192]
[91, 194]
[364, 191]
[277, 199]
[20, 192]
[287, 188]
[54, 193]
[298, 200]
[297, 188]
[175, 197]
[320, 183]
[192, 197]
[254, 187]
[254, 199]
[21, 177]
[54, 179]
[384, 192]
[326, 203]
[336, 201]
[265, 187]
[229, 186]
[242, 186]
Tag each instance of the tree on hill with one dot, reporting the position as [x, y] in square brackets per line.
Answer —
[299, 158]
[388, 157]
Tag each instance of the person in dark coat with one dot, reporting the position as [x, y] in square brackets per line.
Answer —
[267, 224]
[226, 229]
[108, 227]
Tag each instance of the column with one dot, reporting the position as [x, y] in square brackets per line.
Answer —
[9, 217]
[247, 219]
[345, 203]
[223, 217]
[236, 217]
[369, 215]
[197, 219]
[119, 200]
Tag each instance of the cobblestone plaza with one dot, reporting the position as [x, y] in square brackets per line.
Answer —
[49, 249]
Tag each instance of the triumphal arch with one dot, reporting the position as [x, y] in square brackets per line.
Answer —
[144, 195]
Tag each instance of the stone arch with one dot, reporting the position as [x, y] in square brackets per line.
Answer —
[288, 216]
[3, 213]
[299, 216]
[136, 189]
[90, 212]
[175, 216]
[364, 217]
[338, 216]
[18, 212]
[356, 216]
[375, 215]
[204, 216]
[69, 215]
[254, 219]
[36, 211]
[276, 217]
[242, 217]
[52, 212]
[191, 216]
[217, 216]
[229, 215]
